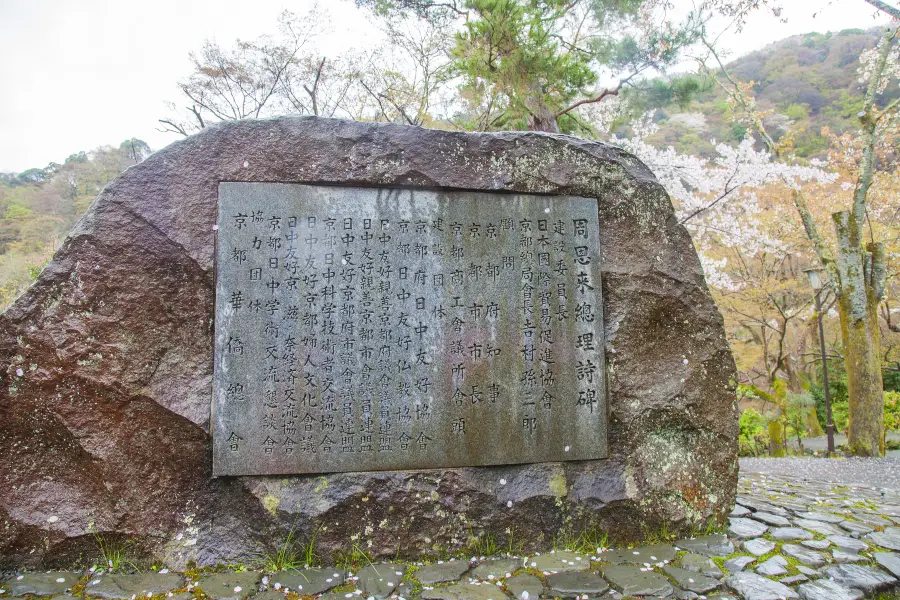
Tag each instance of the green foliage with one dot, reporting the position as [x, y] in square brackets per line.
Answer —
[753, 436]
[508, 52]
[31, 176]
[290, 554]
[840, 412]
[809, 143]
[706, 528]
[78, 157]
[514, 545]
[677, 91]
[34, 271]
[115, 554]
[837, 386]
[751, 424]
[798, 112]
[812, 79]
[738, 131]
[524, 64]
[749, 392]
[489, 544]
[892, 411]
[586, 542]
[136, 149]
[892, 380]
[688, 141]
[799, 407]
[16, 212]
[484, 545]
[354, 559]
[663, 534]
[39, 206]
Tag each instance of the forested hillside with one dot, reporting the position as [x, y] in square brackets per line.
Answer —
[40, 205]
[804, 83]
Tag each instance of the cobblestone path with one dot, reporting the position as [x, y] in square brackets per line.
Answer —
[787, 538]
[873, 472]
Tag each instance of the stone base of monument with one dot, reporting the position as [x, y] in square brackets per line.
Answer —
[714, 566]
[416, 342]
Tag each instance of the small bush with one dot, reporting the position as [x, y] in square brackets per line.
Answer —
[753, 437]
[892, 411]
[799, 408]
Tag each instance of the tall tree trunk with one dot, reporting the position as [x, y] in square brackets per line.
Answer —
[776, 437]
[778, 425]
[858, 274]
[865, 431]
[811, 420]
[861, 276]
[541, 117]
[789, 366]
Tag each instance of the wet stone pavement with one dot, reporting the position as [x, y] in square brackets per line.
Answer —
[787, 538]
[874, 472]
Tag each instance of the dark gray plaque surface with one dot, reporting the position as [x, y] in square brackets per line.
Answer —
[362, 329]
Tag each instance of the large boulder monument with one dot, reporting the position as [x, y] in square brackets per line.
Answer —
[370, 335]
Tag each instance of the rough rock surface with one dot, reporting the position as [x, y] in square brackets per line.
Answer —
[40, 584]
[759, 546]
[677, 574]
[827, 590]
[525, 583]
[738, 563]
[866, 579]
[754, 587]
[777, 565]
[441, 572]
[465, 591]
[559, 561]
[382, 580]
[640, 555]
[890, 562]
[634, 581]
[693, 582]
[744, 529]
[104, 406]
[230, 586]
[127, 586]
[309, 582]
[575, 585]
[709, 545]
[496, 568]
[700, 564]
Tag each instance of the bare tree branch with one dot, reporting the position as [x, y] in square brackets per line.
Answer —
[313, 93]
[885, 7]
[869, 122]
[599, 97]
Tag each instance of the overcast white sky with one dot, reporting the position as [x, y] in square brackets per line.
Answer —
[79, 74]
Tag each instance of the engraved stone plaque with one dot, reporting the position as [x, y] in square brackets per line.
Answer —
[365, 329]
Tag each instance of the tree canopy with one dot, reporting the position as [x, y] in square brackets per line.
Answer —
[528, 64]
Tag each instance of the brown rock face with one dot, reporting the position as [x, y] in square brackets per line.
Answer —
[107, 362]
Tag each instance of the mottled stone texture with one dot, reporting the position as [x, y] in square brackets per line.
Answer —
[107, 362]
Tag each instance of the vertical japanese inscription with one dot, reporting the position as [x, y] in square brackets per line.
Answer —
[364, 329]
